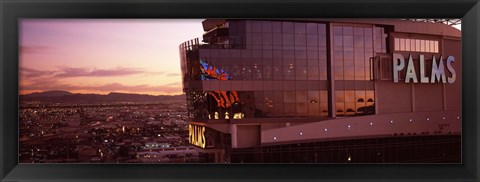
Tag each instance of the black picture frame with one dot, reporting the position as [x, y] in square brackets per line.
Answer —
[11, 11]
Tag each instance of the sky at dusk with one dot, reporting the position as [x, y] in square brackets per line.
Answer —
[103, 56]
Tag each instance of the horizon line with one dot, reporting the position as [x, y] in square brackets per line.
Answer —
[101, 93]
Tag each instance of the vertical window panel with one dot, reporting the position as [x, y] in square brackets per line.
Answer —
[323, 73]
[350, 96]
[289, 72]
[359, 41]
[313, 109]
[412, 45]
[348, 41]
[324, 109]
[340, 108]
[301, 72]
[407, 45]
[322, 29]
[358, 31]
[302, 109]
[277, 39]
[368, 42]
[370, 97]
[300, 28]
[268, 71]
[347, 30]
[287, 27]
[360, 96]
[367, 32]
[402, 44]
[337, 30]
[312, 29]
[277, 27]
[256, 26]
[349, 73]
[301, 96]
[324, 96]
[322, 41]
[300, 54]
[397, 44]
[289, 97]
[278, 103]
[267, 26]
[337, 41]
[367, 73]
[432, 45]
[288, 39]
[417, 45]
[257, 72]
[339, 96]
[359, 56]
[427, 46]
[422, 45]
[350, 108]
[289, 109]
[267, 39]
[313, 73]
[268, 103]
[277, 72]
[338, 72]
[312, 40]
[348, 55]
[301, 102]
[359, 73]
[300, 40]
[247, 72]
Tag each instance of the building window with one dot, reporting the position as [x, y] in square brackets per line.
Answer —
[352, 52]
[380, 40]
[353, 46]
[416, 45]
[355, 102]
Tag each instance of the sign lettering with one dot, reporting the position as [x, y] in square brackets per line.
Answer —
[438, 74]
[196, 135]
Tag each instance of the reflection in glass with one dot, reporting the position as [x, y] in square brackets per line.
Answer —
[280, 51]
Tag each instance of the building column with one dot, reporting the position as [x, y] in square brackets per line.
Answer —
[331, 72]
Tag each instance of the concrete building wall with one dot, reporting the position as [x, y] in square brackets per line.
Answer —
[393, 98]
[248, 136]
[453, 96]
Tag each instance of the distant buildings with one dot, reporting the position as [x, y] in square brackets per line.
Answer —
[107, 133]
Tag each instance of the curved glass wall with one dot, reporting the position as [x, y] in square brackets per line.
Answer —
[281, 71]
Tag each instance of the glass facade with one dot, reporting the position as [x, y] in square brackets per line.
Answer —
[279, 69]
[300, 71]
[353, 47]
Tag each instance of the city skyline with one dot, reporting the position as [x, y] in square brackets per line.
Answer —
[103, 55]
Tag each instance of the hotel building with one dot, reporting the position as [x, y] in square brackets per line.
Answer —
[324, 91]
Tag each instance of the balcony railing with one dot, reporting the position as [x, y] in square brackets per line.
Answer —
[195, 44]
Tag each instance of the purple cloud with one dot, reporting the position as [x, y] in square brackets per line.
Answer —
[29, 72]
[33, 49]
[84, 72]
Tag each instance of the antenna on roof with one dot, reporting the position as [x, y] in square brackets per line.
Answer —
[450, 22]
